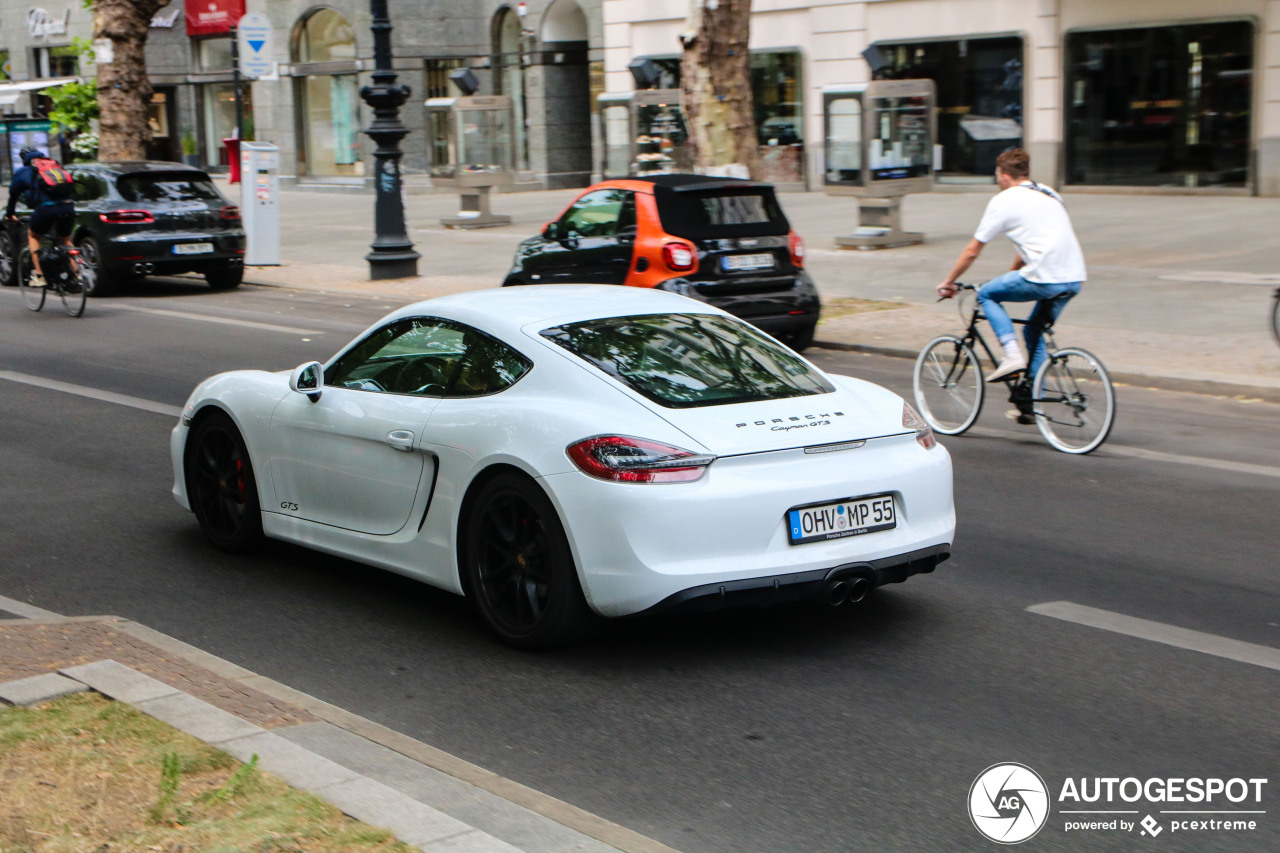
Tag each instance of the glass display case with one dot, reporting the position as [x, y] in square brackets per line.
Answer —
[878, 144]
[472, 141]
[879, 138]
[644, 133]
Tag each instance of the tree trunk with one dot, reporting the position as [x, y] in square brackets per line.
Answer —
[124, 92]
[716, 79]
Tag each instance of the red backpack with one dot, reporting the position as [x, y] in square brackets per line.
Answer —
[54, 180]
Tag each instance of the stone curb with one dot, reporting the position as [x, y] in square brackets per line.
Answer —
[336, 758]
[1207, 387]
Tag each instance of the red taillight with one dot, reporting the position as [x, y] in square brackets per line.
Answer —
[679, 257]
[623, 459]
[127, 217]
[795, 246]
[230, 211]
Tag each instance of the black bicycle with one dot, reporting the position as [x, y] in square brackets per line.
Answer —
[64, 274]
[1071, 396]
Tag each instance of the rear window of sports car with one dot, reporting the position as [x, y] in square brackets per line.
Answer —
[690, 360]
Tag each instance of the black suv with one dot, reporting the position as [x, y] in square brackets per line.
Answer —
[144, 217]
[720, 240]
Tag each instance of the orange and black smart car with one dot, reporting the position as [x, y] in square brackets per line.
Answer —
[720, 240]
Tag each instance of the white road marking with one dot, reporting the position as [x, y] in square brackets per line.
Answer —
[1143, 453]
[1158, 632]
[92, 393]
[26, 611]
[1223, 277]
[209, 318]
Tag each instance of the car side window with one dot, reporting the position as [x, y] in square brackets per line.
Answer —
[596, 214]
[87, 187]
[428, 357]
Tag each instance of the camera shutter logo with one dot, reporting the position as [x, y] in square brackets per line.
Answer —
[1008, 803]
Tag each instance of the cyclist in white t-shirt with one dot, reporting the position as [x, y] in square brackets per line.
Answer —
[1048, 269]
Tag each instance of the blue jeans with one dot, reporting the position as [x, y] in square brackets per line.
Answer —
[1012, 287]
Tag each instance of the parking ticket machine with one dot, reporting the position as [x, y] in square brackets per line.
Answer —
[473, 145]
[879, 140]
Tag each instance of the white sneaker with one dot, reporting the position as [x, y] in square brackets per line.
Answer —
[1007, 367]
[36, 280]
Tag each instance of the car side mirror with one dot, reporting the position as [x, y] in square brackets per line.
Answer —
[308, 379]
[551, 231]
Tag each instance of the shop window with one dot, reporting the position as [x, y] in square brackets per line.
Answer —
[1160, 106]
[979, 84]
[61, 61]
[6, 69]
[214, 54]
[220, 114]
[328, 104]
[778, 105]
[325, 36]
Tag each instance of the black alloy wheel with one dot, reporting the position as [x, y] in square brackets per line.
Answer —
[224, 277]
[801, 339]
[8, 258]
[519, 567]
[96, 281]
[221, 486]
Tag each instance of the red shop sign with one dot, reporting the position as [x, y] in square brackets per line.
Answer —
[213, 17]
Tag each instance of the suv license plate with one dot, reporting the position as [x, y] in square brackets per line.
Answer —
[735, 263]
[192, 248]
[835, 520]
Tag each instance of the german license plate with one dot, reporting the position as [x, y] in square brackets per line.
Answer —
[192, 248]
[849, 517]
[737, 263]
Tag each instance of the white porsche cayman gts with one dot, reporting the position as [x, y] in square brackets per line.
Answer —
[561, 452]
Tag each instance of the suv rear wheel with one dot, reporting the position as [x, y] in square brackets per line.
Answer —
[224, 277]
[96, 281]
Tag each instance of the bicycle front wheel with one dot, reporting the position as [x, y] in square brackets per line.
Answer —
[1275, 317]
[73, 294]
[33, 296]
[1074, 401]
[948, 385]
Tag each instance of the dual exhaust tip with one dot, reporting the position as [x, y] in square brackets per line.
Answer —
[850, 590]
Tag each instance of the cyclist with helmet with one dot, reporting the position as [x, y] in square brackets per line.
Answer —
[51, 218]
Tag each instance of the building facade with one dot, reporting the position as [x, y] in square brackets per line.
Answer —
[1165, 95]
[546, 54]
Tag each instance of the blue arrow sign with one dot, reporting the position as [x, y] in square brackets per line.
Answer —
[256, 44]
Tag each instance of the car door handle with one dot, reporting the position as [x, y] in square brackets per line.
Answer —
[400, 439]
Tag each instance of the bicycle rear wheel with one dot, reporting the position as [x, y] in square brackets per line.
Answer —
[947, 382]
[1074, 401]
[73, 295]
[33, 296]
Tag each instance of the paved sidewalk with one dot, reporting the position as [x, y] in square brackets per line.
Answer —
[426, 797]
[1178, 295]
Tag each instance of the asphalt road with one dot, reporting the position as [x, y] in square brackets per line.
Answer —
[785, 730]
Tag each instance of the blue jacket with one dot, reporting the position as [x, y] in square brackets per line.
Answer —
[26, 183]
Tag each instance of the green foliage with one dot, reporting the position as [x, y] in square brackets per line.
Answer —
[75, 105]
[170, 777]
[245, 774]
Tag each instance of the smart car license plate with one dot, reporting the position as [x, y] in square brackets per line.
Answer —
[192, 248]
[850, 517]
[737, 263]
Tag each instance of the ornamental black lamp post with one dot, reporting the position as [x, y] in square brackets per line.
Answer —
[393, 255]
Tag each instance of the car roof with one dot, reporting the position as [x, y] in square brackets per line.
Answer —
[683, 183]
[131, 167]
[505, 311]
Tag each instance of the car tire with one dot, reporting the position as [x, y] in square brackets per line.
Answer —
[96, 280]
[221, 487]
[224, 277]
[519, 569]
[802, 339]
[513, 281]
[8, 258]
